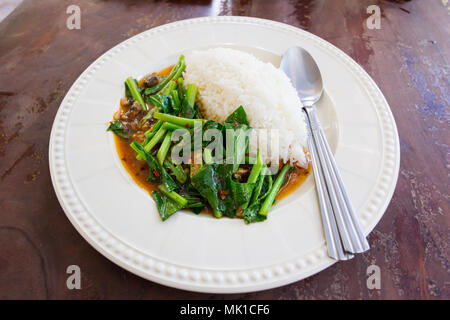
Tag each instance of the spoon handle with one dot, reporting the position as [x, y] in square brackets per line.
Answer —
[351, 234]
[334, 243]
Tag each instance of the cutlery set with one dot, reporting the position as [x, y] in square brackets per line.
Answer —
[341, 226]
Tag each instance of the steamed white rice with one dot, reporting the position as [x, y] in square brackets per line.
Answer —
[228, 78]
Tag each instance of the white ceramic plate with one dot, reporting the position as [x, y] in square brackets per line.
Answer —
[200, 253]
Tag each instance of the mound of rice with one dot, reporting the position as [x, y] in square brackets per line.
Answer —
[229, 78]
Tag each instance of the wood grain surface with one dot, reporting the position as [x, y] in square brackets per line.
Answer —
[408, 58]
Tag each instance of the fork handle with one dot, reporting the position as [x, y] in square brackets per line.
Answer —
[353, 238]
[333, 239]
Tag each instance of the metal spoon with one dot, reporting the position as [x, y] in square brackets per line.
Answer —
[342, 230]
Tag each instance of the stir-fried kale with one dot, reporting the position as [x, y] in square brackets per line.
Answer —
[205, 182]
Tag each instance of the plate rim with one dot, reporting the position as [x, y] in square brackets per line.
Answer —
[230, 281]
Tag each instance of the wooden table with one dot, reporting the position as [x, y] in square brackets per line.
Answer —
[408, 58]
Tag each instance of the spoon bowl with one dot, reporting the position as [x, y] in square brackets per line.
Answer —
[304, 73]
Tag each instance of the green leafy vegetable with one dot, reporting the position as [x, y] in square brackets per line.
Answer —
[135, 92]
[176, 170]
[173, 195]
[173, 126]
[267, 186]
[255, 178]
[157, 137]
[251, 214]
[274, 190]
[181, 89]
[174, 74]
[160, 101]
[242, 193]
[237, 137]
[239, 116]
[194, 202]
[211, 124]
[205, 181]
[257, 190]
[169, 87]
[150, 133]
[156, 172]
[208, 156]
[166, 206]
[187, 109]
[183, 122]
[175, 101]
[128, 92]
[117, 127]
[164, 148]
[256, 169]
[147, 116]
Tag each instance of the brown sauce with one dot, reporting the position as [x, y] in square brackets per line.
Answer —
[296, 179]
[139, 171]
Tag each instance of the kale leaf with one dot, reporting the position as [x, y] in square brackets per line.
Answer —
[208, 185]
[117, 127]
[166, 207]
[239, 116]
[161, 101]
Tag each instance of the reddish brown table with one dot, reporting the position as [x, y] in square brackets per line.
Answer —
[408, 58]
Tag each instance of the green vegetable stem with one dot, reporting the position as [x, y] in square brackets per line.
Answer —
[174, 74]
[273, 191]
[134, 90]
